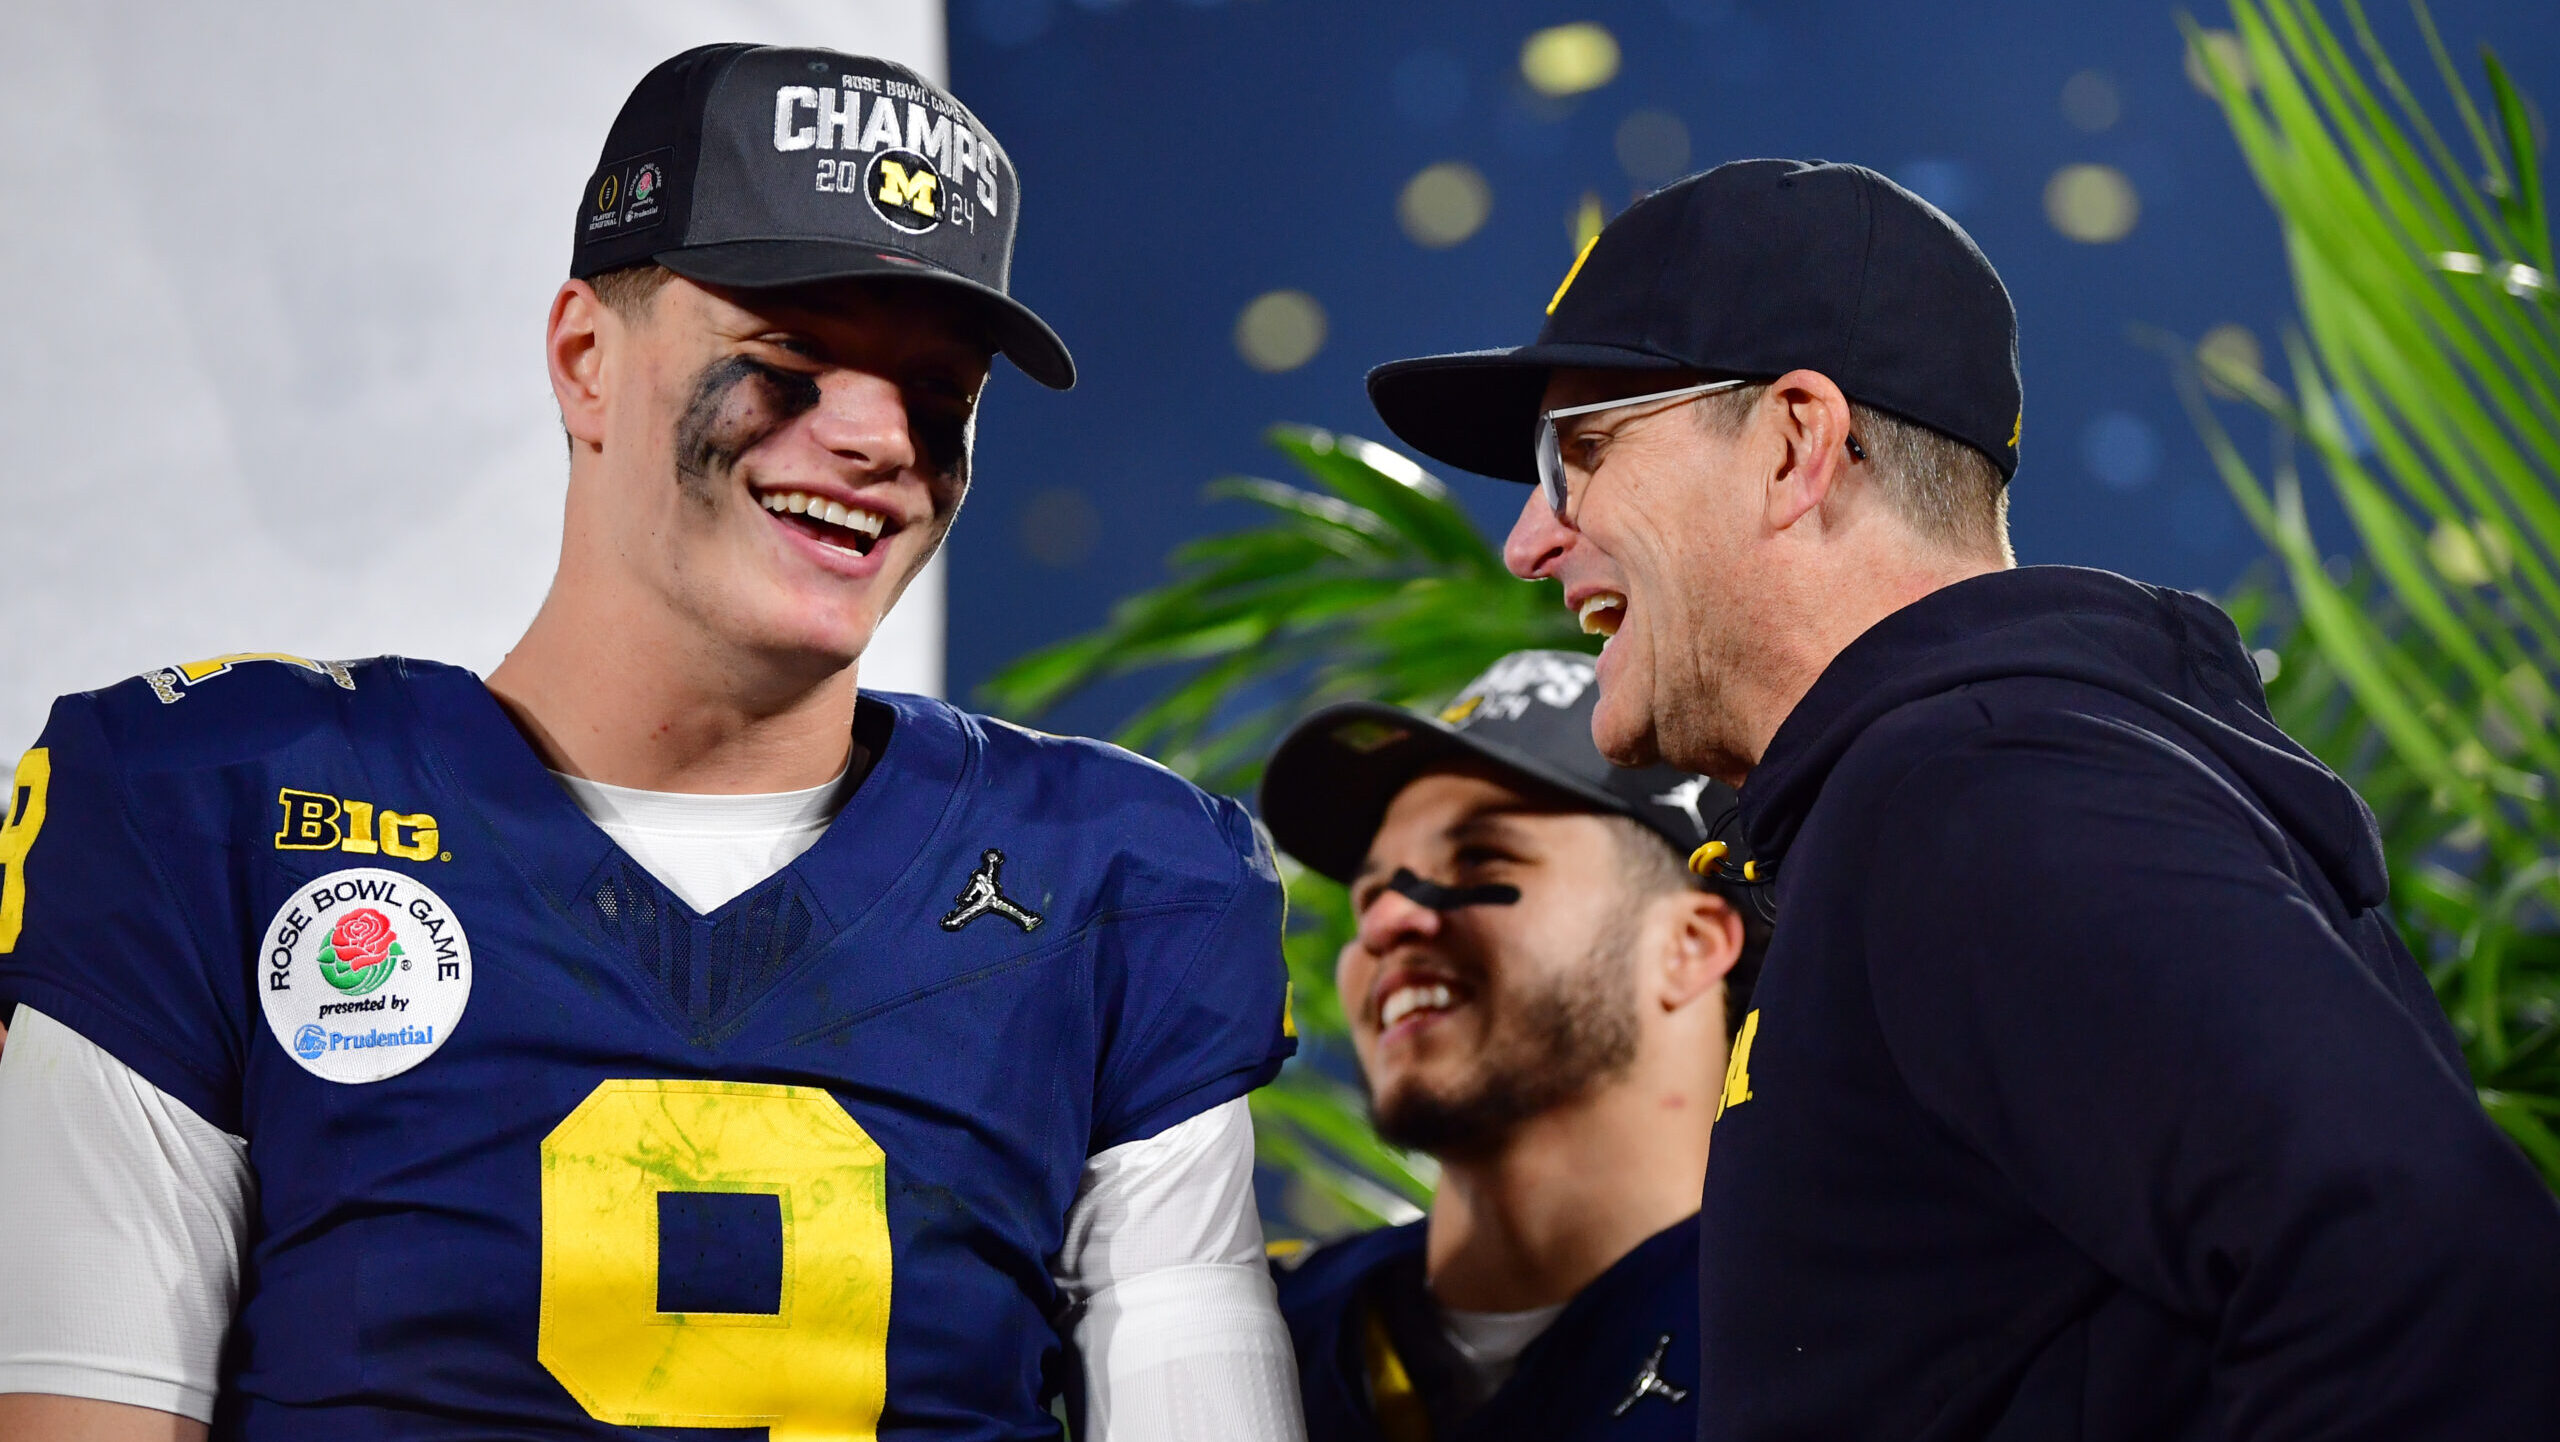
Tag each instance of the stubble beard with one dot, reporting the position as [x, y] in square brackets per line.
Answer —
[1544, 1047]
[1698, 724]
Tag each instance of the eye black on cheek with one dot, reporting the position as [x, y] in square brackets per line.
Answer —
[736, 402]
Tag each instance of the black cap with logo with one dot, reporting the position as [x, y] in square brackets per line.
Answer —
[753, 167]
[1330, 782]
[1751, 269]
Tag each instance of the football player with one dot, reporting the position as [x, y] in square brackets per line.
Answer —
[661, 1033]
[1540, 995]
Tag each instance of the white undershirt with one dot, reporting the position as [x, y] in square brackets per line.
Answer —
[123, 1214]
[707, 849]
[1489, 1345]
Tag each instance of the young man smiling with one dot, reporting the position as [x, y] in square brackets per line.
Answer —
[663, 1034]
[1539, 994]
[2089, 1092]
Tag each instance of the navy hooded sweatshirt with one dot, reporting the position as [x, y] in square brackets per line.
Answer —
[2088, 1093]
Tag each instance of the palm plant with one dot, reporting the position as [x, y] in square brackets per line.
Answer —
[2425, 382]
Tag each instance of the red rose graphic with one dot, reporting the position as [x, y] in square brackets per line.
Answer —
[363, 937]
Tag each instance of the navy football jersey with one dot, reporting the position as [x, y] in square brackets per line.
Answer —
[1614, 1366]
[543, 1153]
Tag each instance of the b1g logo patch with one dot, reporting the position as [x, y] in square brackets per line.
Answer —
[363, 974]
[906, 190]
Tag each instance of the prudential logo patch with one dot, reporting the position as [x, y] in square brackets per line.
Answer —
[363, 974]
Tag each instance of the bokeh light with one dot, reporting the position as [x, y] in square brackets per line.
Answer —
[1584, 222]
[1058, 527]
[2233, 348]
[2226, 48]
[2120, 449]
[2090, 102]
[1443, 204]
[1569, 59]
[2469, 555]
[1653, 146]
[1280, 331]
[2093, 204]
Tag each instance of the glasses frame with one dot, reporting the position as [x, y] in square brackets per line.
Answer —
[1550, 446]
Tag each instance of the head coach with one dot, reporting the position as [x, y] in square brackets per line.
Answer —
[2088, 1092]
[1540, 995]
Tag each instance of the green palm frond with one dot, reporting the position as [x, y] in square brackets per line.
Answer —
[2425, 384]
[1368, 583]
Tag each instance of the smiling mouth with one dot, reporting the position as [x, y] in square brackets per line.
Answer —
[1419, 998]
[1601, 613]
[830, 523]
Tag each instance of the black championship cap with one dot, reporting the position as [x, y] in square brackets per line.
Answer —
[1752, 269]
[1329, 783]
[751, 166]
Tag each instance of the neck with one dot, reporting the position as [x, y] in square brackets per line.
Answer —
[1567, 1194]
[667, 707]
[1830, 613]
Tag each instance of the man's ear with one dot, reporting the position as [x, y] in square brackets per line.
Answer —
[1706, 941]
[1811, 419]
[582, 326]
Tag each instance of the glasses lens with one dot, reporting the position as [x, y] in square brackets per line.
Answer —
[1550, 466]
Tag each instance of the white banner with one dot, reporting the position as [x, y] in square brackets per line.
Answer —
[271, 378]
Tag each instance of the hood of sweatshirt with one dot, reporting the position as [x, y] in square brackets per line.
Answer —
[2172, 651]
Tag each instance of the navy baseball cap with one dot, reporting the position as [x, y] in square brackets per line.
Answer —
[756, 167]
[1328, 785]
[1752, 269]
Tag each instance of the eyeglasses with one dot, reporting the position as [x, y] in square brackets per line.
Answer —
[1551, 477]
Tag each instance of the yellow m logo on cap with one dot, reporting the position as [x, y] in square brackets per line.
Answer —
[915, 192]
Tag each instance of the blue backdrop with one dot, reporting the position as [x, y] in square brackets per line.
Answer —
[1181, 158]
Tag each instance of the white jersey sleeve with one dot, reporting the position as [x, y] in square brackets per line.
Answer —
[1169, 1301]
[122, 1218]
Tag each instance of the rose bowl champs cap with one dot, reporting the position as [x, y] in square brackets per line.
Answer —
[752, 166]
[1752, 269]
[1329, 783]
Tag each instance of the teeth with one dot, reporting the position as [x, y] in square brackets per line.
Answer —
[1601, 613]
[834, 513]
[1404, 1001]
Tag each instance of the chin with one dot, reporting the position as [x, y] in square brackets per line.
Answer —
[1623, 740]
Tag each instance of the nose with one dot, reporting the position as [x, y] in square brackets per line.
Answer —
[862, 418]
[1393, 919]
[1538, 539]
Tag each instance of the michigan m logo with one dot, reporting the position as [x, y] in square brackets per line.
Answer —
[912, 189]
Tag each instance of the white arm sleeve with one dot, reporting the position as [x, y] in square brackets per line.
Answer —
[1170, 1301]
[122, 1216]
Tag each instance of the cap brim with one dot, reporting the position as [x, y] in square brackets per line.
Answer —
[1023, 337]
[1323, 796]
[1473, 410]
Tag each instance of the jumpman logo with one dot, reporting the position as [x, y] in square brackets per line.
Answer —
[1684, 797]
[1649, 1382]
[984, 896]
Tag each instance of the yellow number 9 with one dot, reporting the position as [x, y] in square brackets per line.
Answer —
[818, 1367]
[19, 824]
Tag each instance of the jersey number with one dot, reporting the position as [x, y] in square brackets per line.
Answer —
[21, 817]
[817, 1367]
